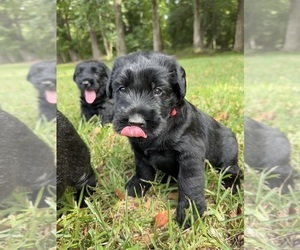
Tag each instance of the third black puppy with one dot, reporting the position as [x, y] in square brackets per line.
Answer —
[91, 78]
[167, 132]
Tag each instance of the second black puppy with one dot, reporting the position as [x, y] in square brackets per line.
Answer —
[43, 77]
[167, 132]
[91, 78]
[73, 159]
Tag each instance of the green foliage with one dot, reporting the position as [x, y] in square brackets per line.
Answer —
[266, 22]
[76, 17]
[27, 30]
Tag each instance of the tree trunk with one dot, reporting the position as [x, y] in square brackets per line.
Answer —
[121, 46]
[197, 39]
[156, 27]
[73, 55]
[239, 29]
[94, 43]
[292, 37]
[107, 46]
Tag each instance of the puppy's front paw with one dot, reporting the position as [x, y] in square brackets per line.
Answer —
[181, 214]
[136, 188]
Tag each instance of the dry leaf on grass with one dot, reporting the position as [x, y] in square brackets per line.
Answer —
[161, 219]
[265, 116]
[97, 130]
[119, 194]
[173, 196]
[222, 116]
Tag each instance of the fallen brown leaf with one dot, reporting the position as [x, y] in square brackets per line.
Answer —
[119, 194]
[173, 196]
[222, 116]
[265, 116]
[97, 130]
[161, 219]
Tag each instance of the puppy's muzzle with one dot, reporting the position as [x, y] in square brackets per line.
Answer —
[136, 120]
[49, 84]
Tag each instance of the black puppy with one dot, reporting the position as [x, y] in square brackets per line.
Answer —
[73, 159]
[266, 148]
[25, 160]
[43, 77]
[91, 78]
[166, 132]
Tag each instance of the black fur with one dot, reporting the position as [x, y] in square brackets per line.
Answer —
[43, 77]
[266, 148]
[94, 75]
[73, 159]
[25, 160]
[146, 88]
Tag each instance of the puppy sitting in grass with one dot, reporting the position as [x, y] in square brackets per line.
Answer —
[167, 132]
[91, 78]
[73, 159]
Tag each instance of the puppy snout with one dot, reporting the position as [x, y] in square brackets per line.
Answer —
[48, 82]
[86, 83]
[136, 120]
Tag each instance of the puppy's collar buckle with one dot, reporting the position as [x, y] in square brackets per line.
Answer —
[173, 112]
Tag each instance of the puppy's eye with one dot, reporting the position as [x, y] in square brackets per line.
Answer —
[122, 89]
[157, 91]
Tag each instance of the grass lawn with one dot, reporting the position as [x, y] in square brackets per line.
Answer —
[22, 224]
[272, 91]
[114, 221]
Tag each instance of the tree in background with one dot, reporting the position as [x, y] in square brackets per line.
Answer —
[156, 27]
[120, 44]
[27, 30]
[239, 30]
[292, 37]
[197, 38]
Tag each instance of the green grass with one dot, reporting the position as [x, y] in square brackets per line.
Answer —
[215, 85]
[272, 86]
[22, 224]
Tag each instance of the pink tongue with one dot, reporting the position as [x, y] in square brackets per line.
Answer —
[133, 131]
[90, 96]
[50, 96]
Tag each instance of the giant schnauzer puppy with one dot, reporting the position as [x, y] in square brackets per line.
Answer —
[43, 77]
[25, 160]
[91, 78]
[73, 159]
[167, 132]
[266, 148]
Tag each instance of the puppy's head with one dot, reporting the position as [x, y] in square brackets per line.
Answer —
[91, 78]
[147, 89]
[43, 77]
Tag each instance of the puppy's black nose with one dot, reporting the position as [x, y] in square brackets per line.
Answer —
[136, 120]
[85, 83]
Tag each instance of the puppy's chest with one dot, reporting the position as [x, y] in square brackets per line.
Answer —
[162, 160]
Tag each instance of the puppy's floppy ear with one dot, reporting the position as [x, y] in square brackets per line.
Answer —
[179, 81]
[102, 66]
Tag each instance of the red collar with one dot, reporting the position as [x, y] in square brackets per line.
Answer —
[173, 112]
